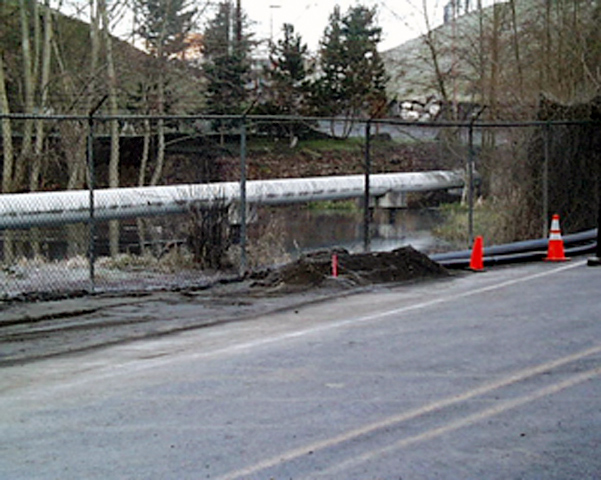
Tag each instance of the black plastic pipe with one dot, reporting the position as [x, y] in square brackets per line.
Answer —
[525, 251]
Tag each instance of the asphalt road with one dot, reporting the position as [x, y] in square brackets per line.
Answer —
[494, 375]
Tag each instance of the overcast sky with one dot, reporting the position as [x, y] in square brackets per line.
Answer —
[400, 20]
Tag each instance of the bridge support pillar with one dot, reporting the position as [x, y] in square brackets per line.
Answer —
[391, 200]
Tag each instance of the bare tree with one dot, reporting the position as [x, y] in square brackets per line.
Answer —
[435, 51]
[7, 134]
[46, 47]
[516, 47]
[111, 77]
[28, 96]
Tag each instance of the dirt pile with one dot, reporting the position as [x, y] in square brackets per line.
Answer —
[314, 269]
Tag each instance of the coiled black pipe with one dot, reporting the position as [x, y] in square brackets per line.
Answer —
[524, 251]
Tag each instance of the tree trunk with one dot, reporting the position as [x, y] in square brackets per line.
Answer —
[434, 54]
[494, 62]
[547, 63]
[160, 160]
[73, 142]
[161, 60]
[112, 91]
[7, 135]
[28, 91]
[145, 154]
[36, 168]
[516, 50]
[114, 124]
[158, 170]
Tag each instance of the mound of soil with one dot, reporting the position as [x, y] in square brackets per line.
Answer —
[354, 269]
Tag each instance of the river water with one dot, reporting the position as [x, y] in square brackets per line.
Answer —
[305, 230]
[292, 229]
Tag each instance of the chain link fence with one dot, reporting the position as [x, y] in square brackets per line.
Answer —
[191, 208]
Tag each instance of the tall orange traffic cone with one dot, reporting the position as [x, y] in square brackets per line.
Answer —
[555, 251]
[477, 259]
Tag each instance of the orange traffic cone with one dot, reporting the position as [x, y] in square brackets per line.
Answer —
[477, 259]
[555, 251]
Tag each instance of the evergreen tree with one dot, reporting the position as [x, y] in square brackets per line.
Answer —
[286, 87]
[327, 95]
[353, 79]
[227, 63]
[287, 72]
[165, 25]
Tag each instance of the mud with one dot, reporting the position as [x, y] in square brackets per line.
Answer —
[316, 269]
[33, 330]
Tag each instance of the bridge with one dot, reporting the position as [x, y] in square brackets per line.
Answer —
[25, 210]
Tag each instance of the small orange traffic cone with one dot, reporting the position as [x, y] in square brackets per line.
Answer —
[555, 251]
[477, 259]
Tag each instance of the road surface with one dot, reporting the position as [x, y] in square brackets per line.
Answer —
[494, 375]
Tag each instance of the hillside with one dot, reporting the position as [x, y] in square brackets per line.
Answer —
[71, 74]
[411, 68]
[487, 58]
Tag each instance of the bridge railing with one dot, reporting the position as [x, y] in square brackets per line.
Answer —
[51, 163]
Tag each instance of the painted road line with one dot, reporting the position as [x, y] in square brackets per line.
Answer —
[395, 420]
[486, 414]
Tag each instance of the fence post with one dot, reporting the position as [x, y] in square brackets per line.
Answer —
[243, 260]
[91, 184]
[366, 215]
[470, 176]
[545, 185]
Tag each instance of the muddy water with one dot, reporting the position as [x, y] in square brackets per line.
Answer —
[294, 229]
[303, 229]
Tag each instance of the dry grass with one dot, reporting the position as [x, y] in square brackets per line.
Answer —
[265, 246]
[497, 220]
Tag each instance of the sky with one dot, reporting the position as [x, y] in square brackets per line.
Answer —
[401, 20]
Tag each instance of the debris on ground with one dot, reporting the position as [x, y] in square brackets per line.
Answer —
[357, 269]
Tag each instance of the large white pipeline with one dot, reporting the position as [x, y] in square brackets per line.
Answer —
[26, 210]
